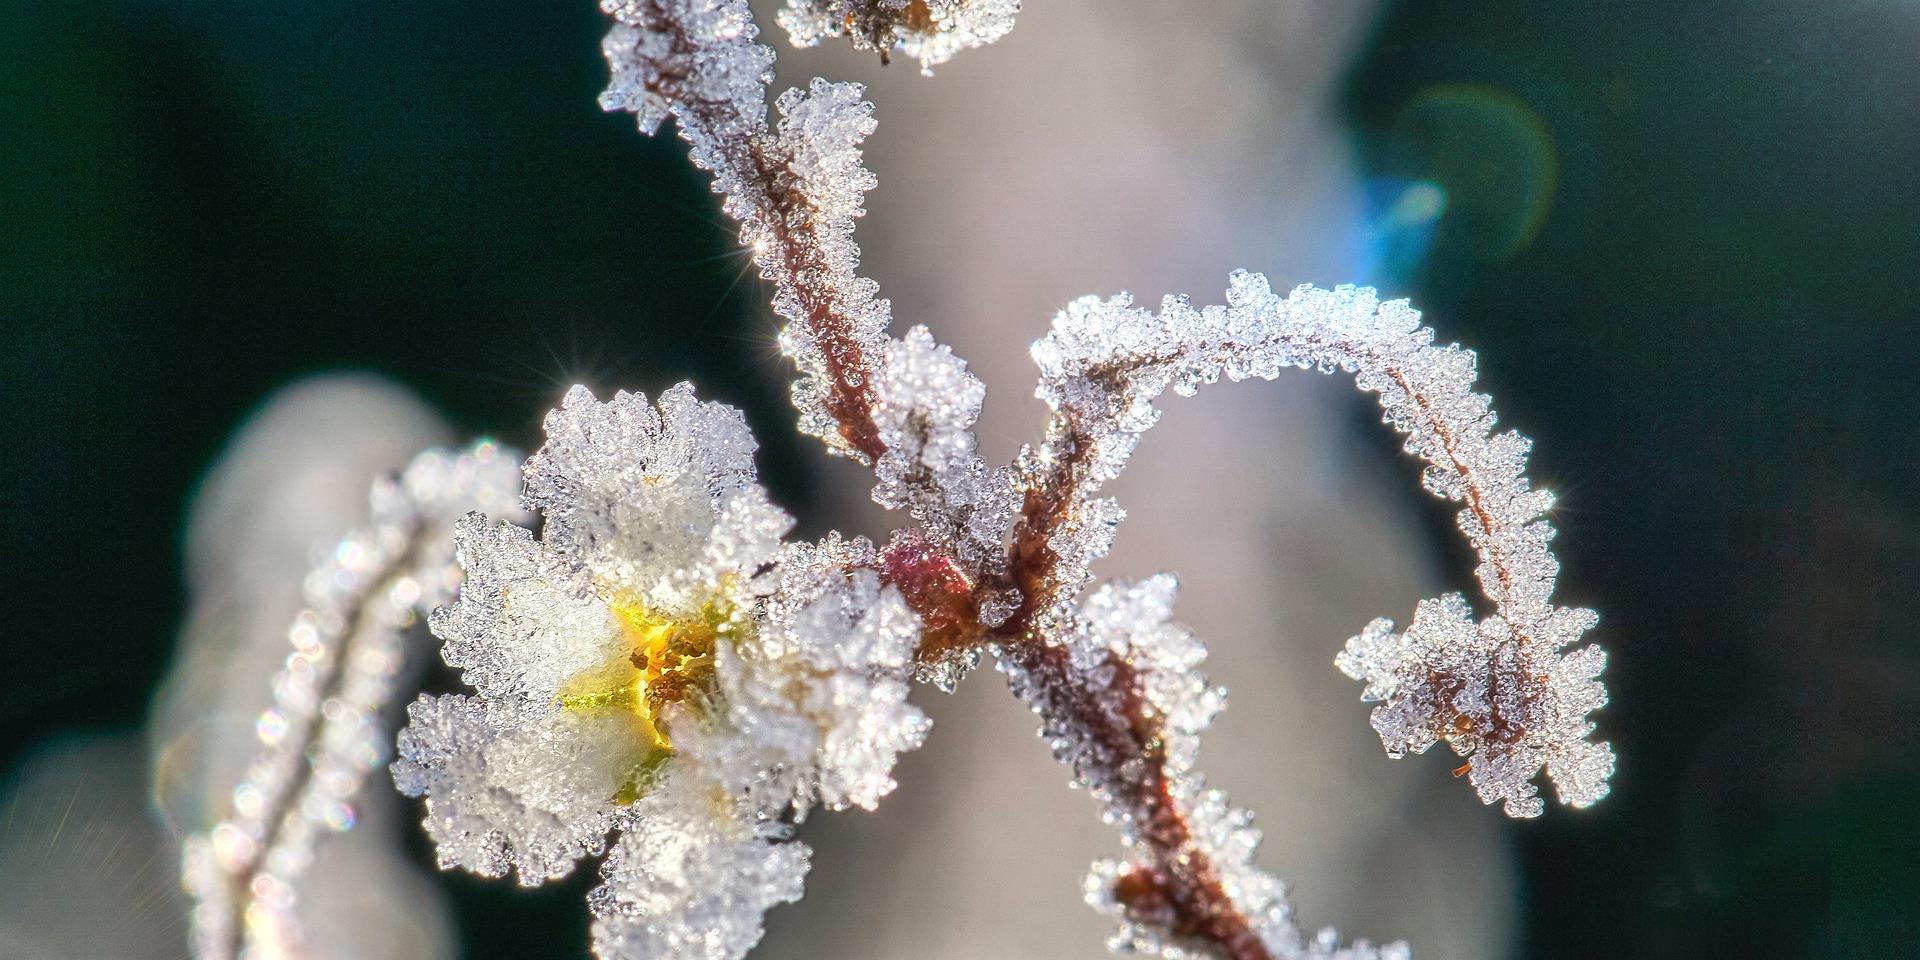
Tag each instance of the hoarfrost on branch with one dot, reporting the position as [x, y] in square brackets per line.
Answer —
[930, 31]
[661, 676]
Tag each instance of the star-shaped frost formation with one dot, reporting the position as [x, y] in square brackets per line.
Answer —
[1511, 706]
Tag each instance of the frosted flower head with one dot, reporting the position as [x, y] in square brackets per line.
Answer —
[656, 660]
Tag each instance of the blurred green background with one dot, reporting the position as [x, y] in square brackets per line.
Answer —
[1685, 235]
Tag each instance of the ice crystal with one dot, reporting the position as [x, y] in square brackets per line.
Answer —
[1508, 706]
[682, 883]
[695, 59]
[324, 731]
[930, 31]
[835, 622]
[658, 662]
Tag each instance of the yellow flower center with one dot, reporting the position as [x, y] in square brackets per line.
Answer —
[670, 661]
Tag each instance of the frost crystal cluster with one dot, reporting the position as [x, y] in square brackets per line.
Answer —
[660, 678]
[930, 31]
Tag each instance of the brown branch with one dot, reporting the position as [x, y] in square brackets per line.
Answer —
[1179, 890]
[1033, 565]
[1502, 730]
[1475, 499]
[793, 257]
[1050, 499]
[849, 370]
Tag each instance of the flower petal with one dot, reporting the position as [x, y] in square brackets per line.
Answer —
[527, 620]
[632, 489]
[682, 883]
[513, 786]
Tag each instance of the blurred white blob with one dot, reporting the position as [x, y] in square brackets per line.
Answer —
[1109, 145]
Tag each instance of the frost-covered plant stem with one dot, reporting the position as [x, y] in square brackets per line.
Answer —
[325, 730]
[930, 31]
[243, 870]
[714, 89]
[1498, 691]
[998, 558]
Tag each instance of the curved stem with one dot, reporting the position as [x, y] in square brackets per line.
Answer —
[283, 774]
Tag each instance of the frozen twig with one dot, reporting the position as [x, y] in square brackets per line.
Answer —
[904, 406]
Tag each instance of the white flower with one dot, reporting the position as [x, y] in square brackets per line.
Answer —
[658, 662]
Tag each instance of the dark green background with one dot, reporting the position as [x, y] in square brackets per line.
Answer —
[1712, 328]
